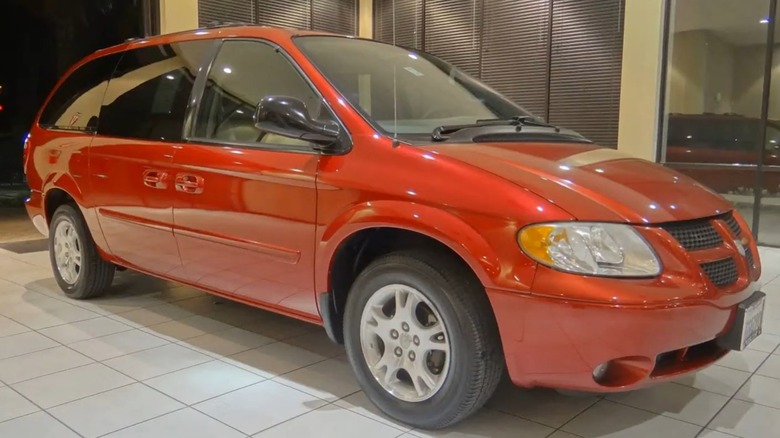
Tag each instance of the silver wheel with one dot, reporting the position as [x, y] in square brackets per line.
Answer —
[405, 343]
[67, 251]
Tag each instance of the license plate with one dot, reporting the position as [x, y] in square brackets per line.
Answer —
[747, 324]
[752, 322]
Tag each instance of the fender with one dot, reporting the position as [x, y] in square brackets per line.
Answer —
[68, 184]
[438, 224]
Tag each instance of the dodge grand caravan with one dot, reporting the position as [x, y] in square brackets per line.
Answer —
[437, 229]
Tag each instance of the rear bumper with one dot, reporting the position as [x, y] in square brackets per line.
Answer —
[554, 342]
[34, 206]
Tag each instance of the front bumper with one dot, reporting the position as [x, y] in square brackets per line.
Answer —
[555, 342]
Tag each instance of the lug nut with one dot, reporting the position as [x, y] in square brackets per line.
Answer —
[411, 355]
[405, 326]
[416, 340]
[394, 334]
[398, 351]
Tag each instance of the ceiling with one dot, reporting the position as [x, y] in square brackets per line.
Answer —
[735, 21]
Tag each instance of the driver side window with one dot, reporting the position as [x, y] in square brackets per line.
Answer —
[243, 73]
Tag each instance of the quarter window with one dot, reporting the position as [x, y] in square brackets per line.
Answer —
[243, 73]
[148, 94]
[76, 103]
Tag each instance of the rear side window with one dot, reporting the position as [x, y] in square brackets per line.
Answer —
[147, 96]
[76, 103]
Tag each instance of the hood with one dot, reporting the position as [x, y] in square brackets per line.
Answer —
[592, 183]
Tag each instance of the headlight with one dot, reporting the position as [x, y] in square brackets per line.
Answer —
[609, 250]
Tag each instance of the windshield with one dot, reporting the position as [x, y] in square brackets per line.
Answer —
[403, 91]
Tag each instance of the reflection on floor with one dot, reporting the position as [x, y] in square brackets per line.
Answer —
[154, 359]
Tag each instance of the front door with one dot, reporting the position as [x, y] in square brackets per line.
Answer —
[139, 131]
[245, 200]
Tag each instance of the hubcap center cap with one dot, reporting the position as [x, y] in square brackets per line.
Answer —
[406, 340]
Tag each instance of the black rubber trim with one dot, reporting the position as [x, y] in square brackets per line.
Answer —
[330, 319]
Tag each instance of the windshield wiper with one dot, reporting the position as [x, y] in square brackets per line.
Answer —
[441, 132]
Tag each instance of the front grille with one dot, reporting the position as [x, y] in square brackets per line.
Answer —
[722, 272]
[733, 225]
[749, 258]
[695, 235]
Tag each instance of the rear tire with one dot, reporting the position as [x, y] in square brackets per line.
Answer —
[440, 366]
[79, 269]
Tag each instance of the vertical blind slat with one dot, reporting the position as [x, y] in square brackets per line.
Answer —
[338, 16]
[506, 43]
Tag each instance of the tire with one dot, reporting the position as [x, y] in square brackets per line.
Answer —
[83, 277]
[469, 333]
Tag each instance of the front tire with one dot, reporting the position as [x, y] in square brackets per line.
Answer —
[78, 268]
[421, 336]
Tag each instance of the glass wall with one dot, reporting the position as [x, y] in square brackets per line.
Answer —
[720, 125]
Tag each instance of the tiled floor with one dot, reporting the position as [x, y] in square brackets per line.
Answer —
[155, 359]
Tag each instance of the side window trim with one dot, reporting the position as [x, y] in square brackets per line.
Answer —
[197, 98]
[198, 88]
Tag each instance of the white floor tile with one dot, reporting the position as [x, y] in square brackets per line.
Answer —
[225, 343]
[153, 315]
[157, 361]
[187, 328]
[562, 434]
[709, 433]
[83, 330]
[771, 368]
[607, 419]
[16, 345]
[40, 363]
[543, 406]
[317, 342]
[330, 422]
[748, 360]
[360, 404]
[676, 401]
[766, 343]
[260, 406]
[117, 344]
[761, 390]
[113, 410]
[748, 420]
[329, 380]
[185, 423]
[717, 379]
[490, 423]
[10, 327]
[279, 327]
[66, 386]
[37, 425]
[275, 359]
[13, 405]
[204, 381]
[46, 312]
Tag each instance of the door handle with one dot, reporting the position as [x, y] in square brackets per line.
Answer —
[155, 179]
[189, 183]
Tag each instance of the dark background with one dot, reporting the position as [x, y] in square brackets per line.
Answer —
[39, 41]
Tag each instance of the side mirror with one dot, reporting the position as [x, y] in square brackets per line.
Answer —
[289, 117]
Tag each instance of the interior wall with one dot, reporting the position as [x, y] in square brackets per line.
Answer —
[366, 18]
[178, 15]
[641, 78]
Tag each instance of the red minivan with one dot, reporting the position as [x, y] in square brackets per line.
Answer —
[434, 227]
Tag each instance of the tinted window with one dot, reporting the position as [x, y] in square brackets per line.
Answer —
[147, 96]
[243, 73]
[76, 104]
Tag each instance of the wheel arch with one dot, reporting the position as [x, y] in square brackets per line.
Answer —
[378, 228]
